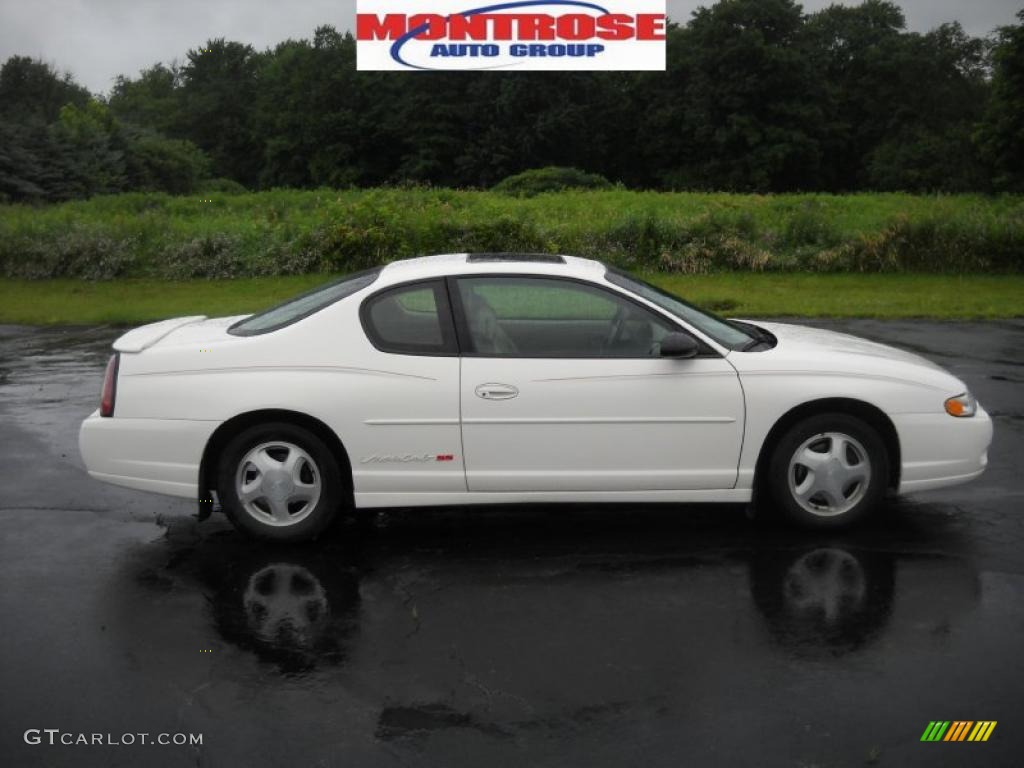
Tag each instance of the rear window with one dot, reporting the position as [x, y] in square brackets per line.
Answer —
[305, 305]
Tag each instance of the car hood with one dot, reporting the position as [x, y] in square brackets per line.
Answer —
[805, 349]
[820, 341]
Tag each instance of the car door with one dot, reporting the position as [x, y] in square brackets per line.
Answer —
[408, 438]
[563, 389]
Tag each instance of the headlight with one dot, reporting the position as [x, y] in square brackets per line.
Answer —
[962, 405]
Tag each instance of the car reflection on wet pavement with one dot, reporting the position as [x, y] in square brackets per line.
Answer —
[571, 635]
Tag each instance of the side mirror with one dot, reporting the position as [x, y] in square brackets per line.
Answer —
[679, 345]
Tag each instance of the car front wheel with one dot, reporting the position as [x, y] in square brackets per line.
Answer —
[829, 471]
[279, 482]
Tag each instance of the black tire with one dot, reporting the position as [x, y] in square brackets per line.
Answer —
[319, 464]
[859, 499]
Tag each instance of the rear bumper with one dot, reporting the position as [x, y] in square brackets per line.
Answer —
[158, 455]
[939, 450]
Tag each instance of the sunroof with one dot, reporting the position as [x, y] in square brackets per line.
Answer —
[536, 258]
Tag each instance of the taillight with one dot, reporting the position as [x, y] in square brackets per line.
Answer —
[109, 387]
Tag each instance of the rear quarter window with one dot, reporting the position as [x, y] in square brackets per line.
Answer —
[303, 306]
[411, 319]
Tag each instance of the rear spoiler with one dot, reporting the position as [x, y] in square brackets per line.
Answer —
[146, 336]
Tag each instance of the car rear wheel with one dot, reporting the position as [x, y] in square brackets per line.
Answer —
[828, 471]
[279, 482]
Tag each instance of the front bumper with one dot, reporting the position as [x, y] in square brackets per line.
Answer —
[939, 450]
[158, 455]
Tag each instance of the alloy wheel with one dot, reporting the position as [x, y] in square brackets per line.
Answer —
[278, 483]
[829, 474]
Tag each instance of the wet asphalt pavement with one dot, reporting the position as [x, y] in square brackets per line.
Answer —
[543, 636]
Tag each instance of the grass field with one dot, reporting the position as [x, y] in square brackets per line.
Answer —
[290, 232]
[733, 294]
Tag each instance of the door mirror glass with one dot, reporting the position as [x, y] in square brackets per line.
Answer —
[679, 345]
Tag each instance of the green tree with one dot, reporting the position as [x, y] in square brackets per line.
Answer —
[313, 116]
[928, 146]
[752, 116]
[505, 124]
[659, 147]
[220, 85]
[152, 100]
[1002, 133]
[857, 49]
[97, 148]
[756, 96]
[900, 106]
[25, 161]
[156, 163]
[30, 88]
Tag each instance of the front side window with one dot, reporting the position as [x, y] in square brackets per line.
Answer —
[548, 317]
[730, 335]
[302, 306]
[410, 319]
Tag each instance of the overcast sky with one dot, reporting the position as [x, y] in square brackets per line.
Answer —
[99, 39]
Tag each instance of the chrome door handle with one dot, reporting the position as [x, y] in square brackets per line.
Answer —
[496, 391]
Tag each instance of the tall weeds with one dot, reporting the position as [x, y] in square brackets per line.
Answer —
[217, 234]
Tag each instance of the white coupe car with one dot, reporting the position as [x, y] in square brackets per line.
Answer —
[491, 378]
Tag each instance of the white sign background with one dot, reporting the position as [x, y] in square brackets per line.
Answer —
[630, 54]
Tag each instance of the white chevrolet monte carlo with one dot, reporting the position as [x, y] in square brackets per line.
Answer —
[493, 378]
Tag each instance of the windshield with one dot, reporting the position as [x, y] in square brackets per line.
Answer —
[302, 306]
[727, 334]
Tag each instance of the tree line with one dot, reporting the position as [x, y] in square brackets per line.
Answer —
[758, 96]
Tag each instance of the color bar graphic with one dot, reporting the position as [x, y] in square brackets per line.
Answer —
[935, 730]
[958, 730]
[982, 730]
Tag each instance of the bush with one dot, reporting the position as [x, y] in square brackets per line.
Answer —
[212, 256]
[292, 232]
[809, 225]
[164, 165]
[550, 179]
[344, 247]
[717, 253]
[220, 186]
[76, 253]
[503, 233]
[937, 245]
[640, 240]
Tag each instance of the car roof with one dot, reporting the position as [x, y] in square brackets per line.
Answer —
[491, 263]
